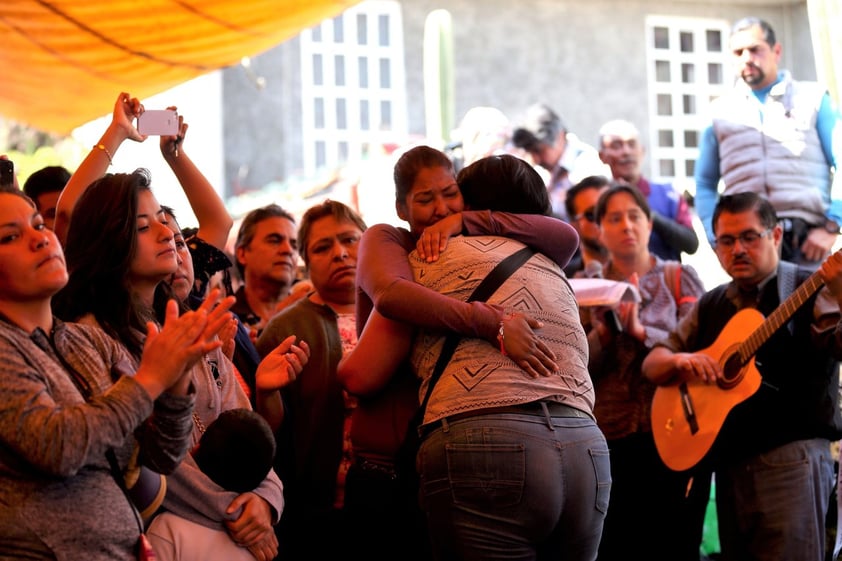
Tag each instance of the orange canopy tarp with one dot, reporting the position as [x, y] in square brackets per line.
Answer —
[62, 62]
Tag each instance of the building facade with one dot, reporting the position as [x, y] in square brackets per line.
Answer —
[342, 90]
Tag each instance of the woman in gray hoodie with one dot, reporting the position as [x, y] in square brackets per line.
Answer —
[72, 405]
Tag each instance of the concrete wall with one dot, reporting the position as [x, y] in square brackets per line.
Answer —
[585, 59]
[262, 124]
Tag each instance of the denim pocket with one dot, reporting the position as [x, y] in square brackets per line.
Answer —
[602, 475]
[486, 475]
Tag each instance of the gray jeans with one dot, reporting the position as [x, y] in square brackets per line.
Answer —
[512, 486]
[772, 507]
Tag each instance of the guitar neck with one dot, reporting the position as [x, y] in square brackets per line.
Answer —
[780, 316]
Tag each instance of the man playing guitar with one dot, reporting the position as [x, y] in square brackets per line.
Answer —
[771, 455]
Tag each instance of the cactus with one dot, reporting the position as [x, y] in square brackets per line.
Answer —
[439, 104]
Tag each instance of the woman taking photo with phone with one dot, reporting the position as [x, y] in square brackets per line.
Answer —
[119, 258]
[120, 255]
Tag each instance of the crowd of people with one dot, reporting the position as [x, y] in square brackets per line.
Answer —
[437, 391]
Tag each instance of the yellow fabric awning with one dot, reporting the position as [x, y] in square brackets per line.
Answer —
[64, 61]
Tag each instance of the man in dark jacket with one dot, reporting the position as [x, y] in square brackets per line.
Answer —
[774, 471]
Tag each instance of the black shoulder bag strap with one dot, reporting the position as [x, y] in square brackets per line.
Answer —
[481, 293]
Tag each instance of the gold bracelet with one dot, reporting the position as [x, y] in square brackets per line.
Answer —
[105, 151]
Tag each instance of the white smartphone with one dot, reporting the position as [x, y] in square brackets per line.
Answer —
[162, 122]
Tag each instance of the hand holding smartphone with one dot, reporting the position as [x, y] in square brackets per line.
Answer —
[160, 122]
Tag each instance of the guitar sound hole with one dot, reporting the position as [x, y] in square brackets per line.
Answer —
[732, 372]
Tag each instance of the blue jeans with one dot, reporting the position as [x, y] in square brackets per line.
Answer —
[515, 486]
[773, 505]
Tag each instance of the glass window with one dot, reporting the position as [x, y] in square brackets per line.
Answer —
[341, 114]
[383, 30]
[318, 70]
[689, 168]
[688, 73]
[385, 73]
[662, 70]
[338, 30]
[319, 113]
[321, 153]
[365, 117]
[665, 139]
[385, 115]
[362, 29]
[362, 71]
[664, 104]
[662, 37]
[691, 139]
[689, 104]
[339, 70]
[667, 168]
[713, 38]
[714, 73]
[686, 38]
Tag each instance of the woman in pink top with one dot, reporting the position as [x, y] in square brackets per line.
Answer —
[492, 474]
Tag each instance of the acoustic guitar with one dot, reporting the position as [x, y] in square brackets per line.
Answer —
[688, 415]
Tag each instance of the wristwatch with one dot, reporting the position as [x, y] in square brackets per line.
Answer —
[831, 226]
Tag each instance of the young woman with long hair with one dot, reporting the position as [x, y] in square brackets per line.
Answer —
[75, 410]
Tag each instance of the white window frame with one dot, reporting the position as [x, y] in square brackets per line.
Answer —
[701, 89]
[357, 140]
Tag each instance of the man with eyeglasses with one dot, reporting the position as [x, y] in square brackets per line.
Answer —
[774, 136]
[580, 204]
[774, 470]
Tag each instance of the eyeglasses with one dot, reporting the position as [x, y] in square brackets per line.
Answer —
[589, 215]
[748, 239]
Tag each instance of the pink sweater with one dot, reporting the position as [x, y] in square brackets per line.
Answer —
[384, 276]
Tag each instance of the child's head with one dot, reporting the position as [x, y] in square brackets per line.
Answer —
[237, 450]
